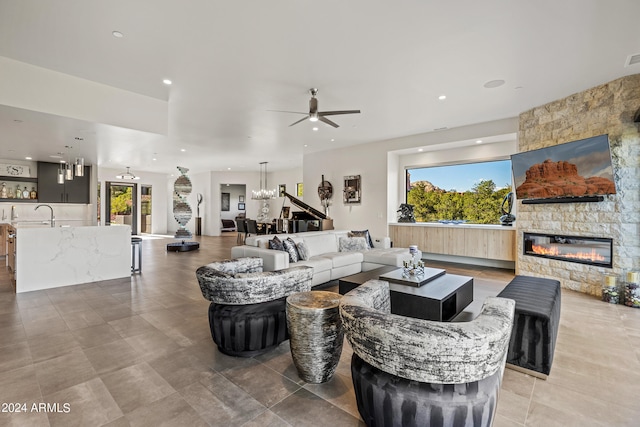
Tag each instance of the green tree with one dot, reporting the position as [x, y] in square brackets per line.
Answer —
[121, 202]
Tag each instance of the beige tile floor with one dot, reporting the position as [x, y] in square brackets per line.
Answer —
[139, 352]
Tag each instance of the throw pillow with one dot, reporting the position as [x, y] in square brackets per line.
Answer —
[362, 233]
[290, 246]
[348, 244]
[276, 244]
[303, 251]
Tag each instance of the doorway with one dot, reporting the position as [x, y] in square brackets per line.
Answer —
[121, 205]
[145, 209]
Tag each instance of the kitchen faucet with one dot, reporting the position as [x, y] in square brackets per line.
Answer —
[53, 220]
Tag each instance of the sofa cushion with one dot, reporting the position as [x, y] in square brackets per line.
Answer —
[350, 244]
[290, 247]
[392, 256]
[318, 264]
[340, 259]
[363, 233]
[319, 244]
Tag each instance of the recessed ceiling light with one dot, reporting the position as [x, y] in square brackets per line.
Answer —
[183, 150]
[421, 149]
[442, 97]
[493, 84]
[333, 139]
[154, 159]
[117, 34]
[315, 129]
[28, 158]
[167, 82]
[479, 141]
[305, 145]
[228, 169]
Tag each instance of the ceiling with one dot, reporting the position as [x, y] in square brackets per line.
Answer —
[233, 62]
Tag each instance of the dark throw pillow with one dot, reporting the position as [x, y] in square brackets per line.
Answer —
[276, 244]
[290, 246]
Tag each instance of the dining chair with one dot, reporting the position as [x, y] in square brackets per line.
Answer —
[242, 230]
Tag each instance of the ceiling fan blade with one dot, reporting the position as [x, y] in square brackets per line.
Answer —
[335, 113]
[301, 120]
[292, 112]
[327, 121]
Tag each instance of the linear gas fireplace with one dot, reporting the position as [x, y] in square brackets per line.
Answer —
[584, 250]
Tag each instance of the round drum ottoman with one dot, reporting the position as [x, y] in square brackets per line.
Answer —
[386, 400]
[248, 330]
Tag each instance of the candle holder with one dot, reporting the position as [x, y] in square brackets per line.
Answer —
[610, 290]
[411, 268]
[632, 289]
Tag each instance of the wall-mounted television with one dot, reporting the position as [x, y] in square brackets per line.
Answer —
[565, 172]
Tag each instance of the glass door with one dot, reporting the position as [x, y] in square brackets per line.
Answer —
[121, 205]
[145, 209]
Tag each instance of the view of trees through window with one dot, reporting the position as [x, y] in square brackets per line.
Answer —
[470, 192]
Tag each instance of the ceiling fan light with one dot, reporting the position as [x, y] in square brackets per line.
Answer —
[313, 118]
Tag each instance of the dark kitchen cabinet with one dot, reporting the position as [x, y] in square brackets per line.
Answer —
[74, 191]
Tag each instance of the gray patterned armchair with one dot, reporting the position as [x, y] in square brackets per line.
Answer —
[247, 314]
[410, 371]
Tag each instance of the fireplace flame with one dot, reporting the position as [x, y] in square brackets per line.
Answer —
[553, 250]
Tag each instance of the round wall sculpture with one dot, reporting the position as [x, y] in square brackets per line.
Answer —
[181, 209]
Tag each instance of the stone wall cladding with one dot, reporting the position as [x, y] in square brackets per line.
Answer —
[606, 109]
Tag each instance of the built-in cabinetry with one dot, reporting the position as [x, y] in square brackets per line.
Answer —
[3, 239]
[76, 190]
[477, 241]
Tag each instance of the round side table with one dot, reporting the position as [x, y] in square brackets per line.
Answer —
[316, 334]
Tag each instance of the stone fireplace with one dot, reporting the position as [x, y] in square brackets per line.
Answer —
[584, 250]
[606, 109]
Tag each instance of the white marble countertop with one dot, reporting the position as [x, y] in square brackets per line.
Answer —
[50, 257]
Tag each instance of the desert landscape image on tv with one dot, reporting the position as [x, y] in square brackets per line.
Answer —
[574, 169]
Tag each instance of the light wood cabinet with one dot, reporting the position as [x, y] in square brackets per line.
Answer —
[468, 241]
[3, 239]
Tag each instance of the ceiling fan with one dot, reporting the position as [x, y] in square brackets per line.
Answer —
[314, 115]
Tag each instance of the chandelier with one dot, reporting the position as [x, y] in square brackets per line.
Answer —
[263, 193]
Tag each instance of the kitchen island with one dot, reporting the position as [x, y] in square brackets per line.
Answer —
[51, 257]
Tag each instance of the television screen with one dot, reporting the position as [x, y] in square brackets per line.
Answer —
[573, 169]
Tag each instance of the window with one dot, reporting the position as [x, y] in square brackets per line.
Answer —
[471, 192]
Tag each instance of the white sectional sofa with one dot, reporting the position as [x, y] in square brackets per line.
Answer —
[324, 255]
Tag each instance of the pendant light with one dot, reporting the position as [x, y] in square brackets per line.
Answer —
[68, 169]
[127, 175]
[79, 166]
[61, 173]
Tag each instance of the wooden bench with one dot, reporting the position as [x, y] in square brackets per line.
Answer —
[536, 323]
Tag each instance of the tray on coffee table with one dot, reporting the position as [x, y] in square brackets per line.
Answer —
[398, 276]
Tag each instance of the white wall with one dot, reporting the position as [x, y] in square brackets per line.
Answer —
[159, 197]
[382, 171]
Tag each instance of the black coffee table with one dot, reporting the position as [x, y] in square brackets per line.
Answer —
[441, 299]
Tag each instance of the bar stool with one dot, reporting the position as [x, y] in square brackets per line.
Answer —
[136, 262]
